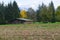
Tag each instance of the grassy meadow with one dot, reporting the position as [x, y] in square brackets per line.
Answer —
[34, 31]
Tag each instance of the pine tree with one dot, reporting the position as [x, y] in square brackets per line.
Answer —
[15, 10]
[52, 12]
[43, 13]
[2, 13]
[38, 14]
[9, 12]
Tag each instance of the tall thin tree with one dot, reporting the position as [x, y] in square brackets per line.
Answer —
[52, 12]
[15, 10]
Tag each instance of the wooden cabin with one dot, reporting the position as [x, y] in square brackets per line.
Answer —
[20, 20]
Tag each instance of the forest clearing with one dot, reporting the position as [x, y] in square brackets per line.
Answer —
[29, 20]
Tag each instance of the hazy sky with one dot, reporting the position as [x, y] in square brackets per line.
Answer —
[24, 4]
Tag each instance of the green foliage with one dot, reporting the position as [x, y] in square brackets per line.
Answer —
[46, 14]
[51, 11]
[38, 14]
[11, 11]
[15, 10]
[58, 14]
[2, 13]
[42, 14]
[8, 12]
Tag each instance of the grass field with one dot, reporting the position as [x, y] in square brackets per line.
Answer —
[35, 31]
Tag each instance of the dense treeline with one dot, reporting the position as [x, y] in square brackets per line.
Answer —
[8, 12]
[46, 14]
[43, 14]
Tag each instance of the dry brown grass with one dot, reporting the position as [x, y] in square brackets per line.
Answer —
[30, 32]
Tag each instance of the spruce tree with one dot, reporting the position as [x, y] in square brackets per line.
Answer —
[52, 12]
[38, 14]
[15, 10]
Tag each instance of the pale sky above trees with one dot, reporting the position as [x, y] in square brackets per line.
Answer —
[24, 4]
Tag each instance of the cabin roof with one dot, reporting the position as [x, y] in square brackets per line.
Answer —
[23, 19]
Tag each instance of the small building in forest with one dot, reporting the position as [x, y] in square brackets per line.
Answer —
[20, 20]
